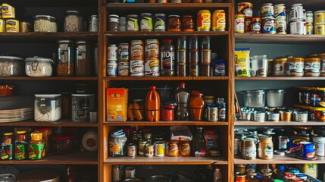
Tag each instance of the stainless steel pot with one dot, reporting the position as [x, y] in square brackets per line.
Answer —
[275, 98]
[254, 98]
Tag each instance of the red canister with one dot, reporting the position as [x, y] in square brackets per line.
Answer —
[168, 112]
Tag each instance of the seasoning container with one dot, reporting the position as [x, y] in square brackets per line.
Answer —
[174, 23]
[319, 17]
[184, 148]
[12, 25]
[36, 146]
[219, 20]
[248, 149]
[196, 105]
[132, 150]
[153, 105]
[93, 23]
[7, 11]
[65, 62]
[146, 24]
[187, 23]
[11, 66]
[82, 105]
[312, 66]
[38, 67]
[45, 23]
[137, 58]
[203, 20]
[72, 21]
[160, 148]
[63, 144]
[295, 66]
[20, 149]
[268, 25]
[132, 23]
[141, 147]
[83, 65]
[181, 56]
[113, 23]
[259, 116]
[7, 146]
[279, 66]
[149, 150]
[173, 150]
[193, 56]
[23, 27]
[159, 22]
[240, 23]
[286, 116]
[302, 116]
[47, 107]
[167, 58]
[212, 113]
[168, 112]
[320, 29]
[205, 56]
[265, 148]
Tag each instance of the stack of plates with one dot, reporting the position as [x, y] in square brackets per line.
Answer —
[15, 115]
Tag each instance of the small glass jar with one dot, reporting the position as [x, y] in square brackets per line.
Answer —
[146, 23]
[47, 107]
[45, 23]
[187, 23]
[83, 66]
[113, 23]
[7, 146]
[82, 105]
[160, 22]
[20, 150]
[312, 66]
[174, 23]
[295, 66]
[36, 146]
[65, 63]
[279, 66]
[38, 67]
[93, 23]
[132, 23]
[168, 112]
[72, 21]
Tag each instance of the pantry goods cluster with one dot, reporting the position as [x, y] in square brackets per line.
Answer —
[190, 57]
[179, 142]
[183, 105]
[272, 19]
[35, 144]
[160, 22]
[261, 66]
[73, 22]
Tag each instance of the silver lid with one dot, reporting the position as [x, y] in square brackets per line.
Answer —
[38, 59]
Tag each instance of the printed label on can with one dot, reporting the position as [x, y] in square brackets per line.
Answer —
[112, 52]
[123, 68]
[136, 68]
[111, 68]
[151, 67]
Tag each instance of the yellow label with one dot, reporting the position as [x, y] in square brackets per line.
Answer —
[12, 25]
[7, 11]
[2, 25]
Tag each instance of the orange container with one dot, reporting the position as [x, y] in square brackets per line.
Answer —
[116, 104]
[153, 105]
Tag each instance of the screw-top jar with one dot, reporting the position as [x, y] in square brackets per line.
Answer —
[193, 56]
[45, 23]
[160, 22]
[295, 66]
[113, 23]
[181, 56]
[174, 23]
[65, 63]
[312, 66]
[83, 66]
[72, 21]
[279, 66]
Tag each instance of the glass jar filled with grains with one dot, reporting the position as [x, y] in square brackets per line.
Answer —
[83, 65]
[45, 23]
[72, 21]
[65, 63]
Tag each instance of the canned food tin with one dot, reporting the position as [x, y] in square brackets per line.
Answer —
[320, 29]
[173, 150]
[111, 68]
[308, 150]
[12, 25]
[302, 117]
[279, 66]
[204, 20]
[132, 23]
[146, 22]
[295, 66]
[141, 147]
[132, 150]
[112, 52]
[2, 25]
[151, 67]
[280, 10]
[281, 25]
[123, 52]
[298, 27]
[240, 23]
[268, 25]
[219, 20]
[297, 12]
[309, 28]
[245, 8]
[319, 17]
[160, 22]
[267, 10]
[136, 68]
[7, 11]
[185, 149]
[259, 116]
[152, 48]
[123, 68]
[160, 148]
[255, 26]
[322, 70]
[137, 50]
[273, 116]
[212, 113]
[149, 150]
[312, 66]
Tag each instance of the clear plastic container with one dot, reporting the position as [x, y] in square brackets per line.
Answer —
[47, 107]
[45, 23]
[38, 67]
[72, 21]
[11, 66]
[82, 105]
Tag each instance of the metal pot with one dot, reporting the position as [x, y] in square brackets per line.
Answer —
[275, 98]
[254, 98]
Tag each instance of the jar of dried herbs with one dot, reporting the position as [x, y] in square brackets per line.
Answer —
[83, 66]
[65, 62]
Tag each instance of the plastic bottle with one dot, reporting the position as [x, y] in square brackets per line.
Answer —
[153, 105]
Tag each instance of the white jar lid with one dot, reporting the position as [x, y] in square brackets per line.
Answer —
[48, 95]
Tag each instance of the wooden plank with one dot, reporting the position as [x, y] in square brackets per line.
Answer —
[280, 160]
[281, 78]
[165, 6]
[61, 123]
[164, 34]
[280, 123]
[165, 78]
[167, 123]
[277, 38]
[25, 78]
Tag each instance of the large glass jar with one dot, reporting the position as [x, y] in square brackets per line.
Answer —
[47, 107]
[82, 105]
[11, 66]
[65, 63]
[72, 21]
[83, 65]
[45, 23]
[38, 67]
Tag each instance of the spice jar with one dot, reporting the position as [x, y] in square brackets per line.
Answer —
[45, 23]
[36, 146]
[72, 21]
[295, 66]
[63, 143]
[47, 107]
[132, 23]
[146, 24]
[187, 23]
[83, 66]
[7, 146]
[113, 23]
[168, 112]
[65, 63]
[174, 23]
[265, 147]
[38, 67]
[196, 106]
[312, 66]
[279, 66]
[256, 24]
[20, 150]
[82, 105]
[286, 116]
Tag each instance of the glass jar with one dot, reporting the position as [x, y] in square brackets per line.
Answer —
[7, 146]
[167, 58]
[265, 147]
[312, 66]
[72, 21]
[93, 23]
[146, 23]
[38, 67]
[113, 23]
[160, 22]
[65, 63]
[295, 66]
[187, 23]
[63, 143]
[45, 23]
[20, 152]
[11, 66]
[132, 23]
[83, 65]
[279, 66]
[36, 146]
[82, 105]
[117, 143]
[47, 107]
[174, 23]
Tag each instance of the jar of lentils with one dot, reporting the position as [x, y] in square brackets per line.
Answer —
[45, 23]
[72, 21]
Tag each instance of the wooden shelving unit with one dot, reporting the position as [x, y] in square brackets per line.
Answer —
[167, 123]
[164, 34]
[163, 78]
[280, 160]
[168, 6]
[48, 36]
[281, 78]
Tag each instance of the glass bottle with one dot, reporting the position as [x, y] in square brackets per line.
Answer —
[83, 62]
[72, 21]
[196, 106]
[167, 58]
[65, 66]
[199, 148]
[193, 56]
[182, 99]
[222, 110]
[205, 50]
[181, 56]
[7, 146]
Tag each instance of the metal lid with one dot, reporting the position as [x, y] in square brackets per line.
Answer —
[45, 16]
[81, 42]
[82, 95]
[64, 41]
[48, 95]
[11, 57]
[146, 14]
[38, 59]
[160, 14]
[72, 11]
[113, 16]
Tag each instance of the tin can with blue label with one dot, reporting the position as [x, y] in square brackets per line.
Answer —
[307, 150]
[268, 25]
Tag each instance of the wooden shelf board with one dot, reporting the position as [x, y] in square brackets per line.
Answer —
[63, 159]
[277, 38]
[280, 160]
[163, 34]
[56, 3]
[61, 123]
[307, 4]
[165, 6]
[164, 161]
[164, 78]
[167, 123]
[281, 123]
[48, 35]
[280, 78]
[49, 78]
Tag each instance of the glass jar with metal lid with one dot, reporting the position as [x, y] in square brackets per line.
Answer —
[295, 66]
[65, 63]
[174, 23]
[113, 22]
[72, 21]
[83, 66]
[38, 67]
[312, 66]
[146, 23]
[279, 66]
[47, 107]
[45, 23]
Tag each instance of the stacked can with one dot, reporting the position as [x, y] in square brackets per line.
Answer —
[244, 17]
[151, 64]
[111, 60]
[280, 16]
[137, 58]
[297, 20]
[123, 59]
[309, 22]
[320, 22]
[268, 21]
